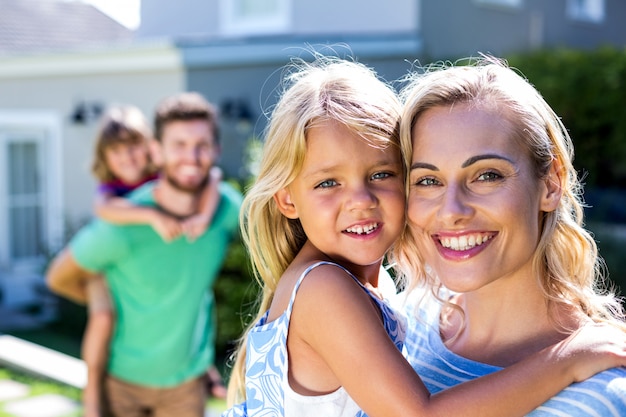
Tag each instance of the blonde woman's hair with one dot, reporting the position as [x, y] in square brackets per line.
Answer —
[566, 260]
[120, 124]
[329, 89]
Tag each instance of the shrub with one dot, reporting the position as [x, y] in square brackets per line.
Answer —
[235, 294]
[586, 88]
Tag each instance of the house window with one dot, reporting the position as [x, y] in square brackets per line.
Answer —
[586, 10]
[505, 3]
[254, 17]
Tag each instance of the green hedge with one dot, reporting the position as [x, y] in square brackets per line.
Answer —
[235, 294]
[587, 89]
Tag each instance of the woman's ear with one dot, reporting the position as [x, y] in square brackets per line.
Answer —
[285, 205]
[553, 188]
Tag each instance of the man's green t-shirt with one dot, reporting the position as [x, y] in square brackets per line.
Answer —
[162, 292]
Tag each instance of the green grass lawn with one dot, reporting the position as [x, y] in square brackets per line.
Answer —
[39, 386]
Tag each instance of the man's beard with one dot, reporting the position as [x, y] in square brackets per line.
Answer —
[191, 189]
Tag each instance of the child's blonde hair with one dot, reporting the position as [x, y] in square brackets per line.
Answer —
[329, 89]
[566, 259]
[120, 124]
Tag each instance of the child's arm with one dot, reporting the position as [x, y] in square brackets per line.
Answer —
[195, 225]
[337, 320]
[119, 210]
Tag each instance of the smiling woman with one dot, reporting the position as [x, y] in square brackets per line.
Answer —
[482, 188]
[495, 233]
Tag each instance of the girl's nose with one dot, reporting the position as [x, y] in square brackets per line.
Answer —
[362, 198]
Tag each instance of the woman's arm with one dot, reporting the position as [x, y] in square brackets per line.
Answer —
[335, 318]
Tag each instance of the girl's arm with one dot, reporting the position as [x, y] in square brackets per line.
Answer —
[195, 226]
[336, 319]
[119, 210]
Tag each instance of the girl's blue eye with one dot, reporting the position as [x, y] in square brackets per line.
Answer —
[381, 175]
[326, 184]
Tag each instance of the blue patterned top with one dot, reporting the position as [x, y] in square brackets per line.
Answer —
[266, 364]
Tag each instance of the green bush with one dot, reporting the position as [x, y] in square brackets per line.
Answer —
[586, 89]
[611, 241]
[235, 294]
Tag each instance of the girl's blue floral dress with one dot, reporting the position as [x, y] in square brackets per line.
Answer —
[266, 361]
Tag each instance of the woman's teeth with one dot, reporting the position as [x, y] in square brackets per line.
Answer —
[464, 242]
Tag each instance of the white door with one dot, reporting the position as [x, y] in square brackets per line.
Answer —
[29, 202]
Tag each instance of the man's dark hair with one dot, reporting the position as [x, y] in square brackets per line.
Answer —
[185, 106]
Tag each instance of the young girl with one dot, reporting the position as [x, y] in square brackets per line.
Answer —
[122, 164]
[327, 205]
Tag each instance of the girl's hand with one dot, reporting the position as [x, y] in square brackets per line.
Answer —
[593, 348]
[194, 226]
[166, 226]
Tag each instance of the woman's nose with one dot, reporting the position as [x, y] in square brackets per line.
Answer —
[455, 204]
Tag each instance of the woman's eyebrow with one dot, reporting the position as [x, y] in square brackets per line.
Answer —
[468, 162]
[477, 158]
[423, 165]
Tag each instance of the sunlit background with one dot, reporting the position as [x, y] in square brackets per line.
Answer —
[62, 62]
[124, 11]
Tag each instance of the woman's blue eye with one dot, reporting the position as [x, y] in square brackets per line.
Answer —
[489, 176]
[426, 182]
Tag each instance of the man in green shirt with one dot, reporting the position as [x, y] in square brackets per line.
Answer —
[163, 343]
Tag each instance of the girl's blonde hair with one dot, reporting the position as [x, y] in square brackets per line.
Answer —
[566, 259]
[120, 124]
[327, 89]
